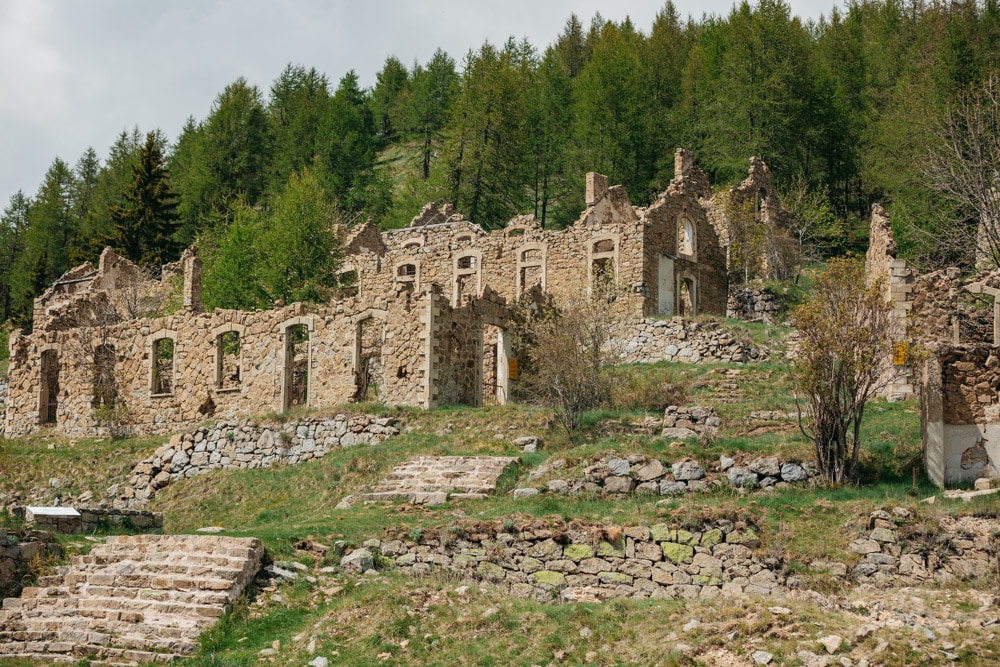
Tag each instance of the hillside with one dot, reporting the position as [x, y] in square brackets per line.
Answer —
[805, 531]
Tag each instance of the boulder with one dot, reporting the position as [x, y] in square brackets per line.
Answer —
[687, 470]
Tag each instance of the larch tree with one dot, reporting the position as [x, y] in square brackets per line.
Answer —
[144, 224]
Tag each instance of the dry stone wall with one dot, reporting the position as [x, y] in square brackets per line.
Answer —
[753, 303]
[679, 339]
[960, 414]
[92, 519]
[613, 473]
[248, 444]
[590, 563]
[17, 553]
[581, 562]
[893, 550]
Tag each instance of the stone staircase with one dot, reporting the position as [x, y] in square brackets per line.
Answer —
[139, 598]
[431, 480]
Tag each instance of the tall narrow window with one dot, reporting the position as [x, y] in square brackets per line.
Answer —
[296, 365]
[466, 278]
[685, 237]
[603, 257]
[531, 269]
[230, 374]
[163, 367]
[105, 385]
[48, 399]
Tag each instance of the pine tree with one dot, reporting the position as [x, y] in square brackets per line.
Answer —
[13, 224]
[49, 233]
[298, 102]
[144, 225]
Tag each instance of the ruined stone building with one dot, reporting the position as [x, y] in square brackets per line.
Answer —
[950, 327]
[426, 325]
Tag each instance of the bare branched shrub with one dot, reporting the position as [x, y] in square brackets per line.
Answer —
[568, 347]
[964, 166]
[845, 335]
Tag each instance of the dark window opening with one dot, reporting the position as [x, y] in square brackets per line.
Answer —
[163, 366]
[228, 350]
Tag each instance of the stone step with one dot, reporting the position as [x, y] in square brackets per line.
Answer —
[78, 631]
[82, 573]
[135, 599]
[158, 581]
[229, 562]
[120, 598]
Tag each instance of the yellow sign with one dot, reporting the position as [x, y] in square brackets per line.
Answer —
[899, 354]
[512, 369]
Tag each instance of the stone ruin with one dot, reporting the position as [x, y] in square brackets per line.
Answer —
[115, 351]
[948, 332]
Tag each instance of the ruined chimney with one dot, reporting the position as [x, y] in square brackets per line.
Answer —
[683, 162]
[192, 280]
[597, 187]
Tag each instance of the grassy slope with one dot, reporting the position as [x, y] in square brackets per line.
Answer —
[394, 620]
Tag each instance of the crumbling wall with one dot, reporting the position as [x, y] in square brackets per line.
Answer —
[773, 254]
[194, 391]
[18, 552]
[960, 414]
[441, 247]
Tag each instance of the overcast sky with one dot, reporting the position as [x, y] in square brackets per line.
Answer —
[75, 73]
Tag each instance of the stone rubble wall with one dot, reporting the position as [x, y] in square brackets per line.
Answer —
[753, 303]
[248, 444]
[966, 550]
[590, 563]
[17, 552]
[92, 519]
[679, 339]
[559, 260]
[613, 474]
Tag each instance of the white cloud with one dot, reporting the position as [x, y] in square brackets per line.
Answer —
[74, 74]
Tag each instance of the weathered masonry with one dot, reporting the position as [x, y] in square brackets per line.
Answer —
[114, 350]
[960, 414]
[954, 323]
[665, 259]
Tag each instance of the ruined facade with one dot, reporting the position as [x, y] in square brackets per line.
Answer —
[753, 227]
[665, 259]
[951, 327]
[115, 351]
[960, 414]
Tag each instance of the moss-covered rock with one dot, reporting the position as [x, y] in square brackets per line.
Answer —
[677, 553]
[578, 552]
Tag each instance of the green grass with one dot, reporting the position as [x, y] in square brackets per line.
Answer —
[393, 619]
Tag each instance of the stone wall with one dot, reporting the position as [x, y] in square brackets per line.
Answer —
[753, 303]
[247, 444]
[616, 474]
[589, 563]
[960, 414]
[648, 250]
[93, 519]
[582, 562]
[893, 550]
[680, 339]
[17, 551]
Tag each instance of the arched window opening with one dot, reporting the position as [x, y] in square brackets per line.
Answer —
[162, 383]
[105, 388]
[228, 360]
